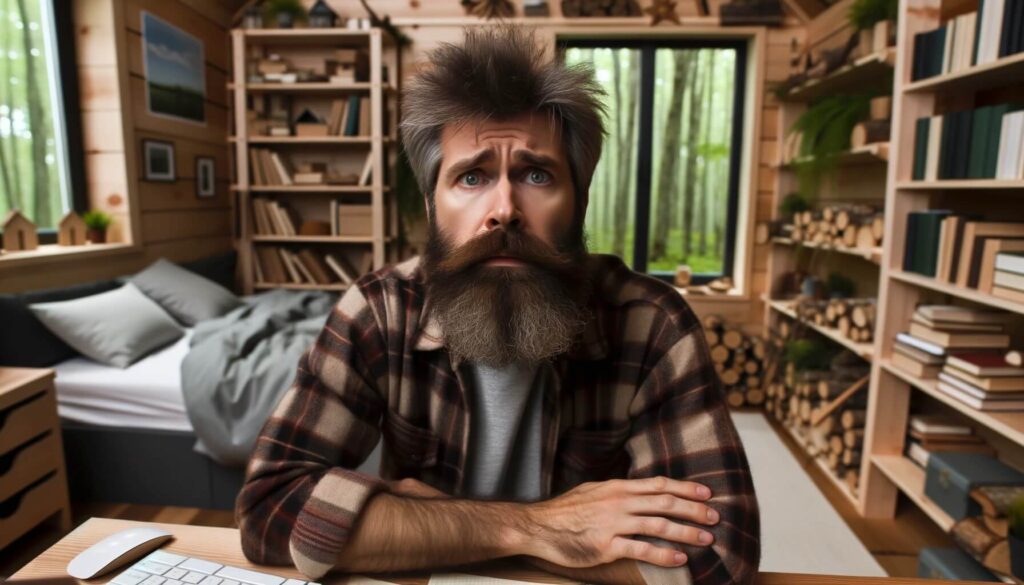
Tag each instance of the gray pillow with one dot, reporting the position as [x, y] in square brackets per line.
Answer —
[116, 328]
[190, 298]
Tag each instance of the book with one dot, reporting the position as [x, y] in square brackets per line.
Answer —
[920, 147]
[917, 454]
[1010, 261]
[992, 248]
[979, 393]
[367, 171]
[982, 404]
[931, 171]
[257, 270]
[914, 367]
[283, 173]
[1008, 280]
[340, 266]
[364, 117]
[352, 117]
[948, 339]
[293, 274]
[918, 355]
[972, 247]
[920, 344]
[950, 232]
[942, 438]
[960, 314]
[939, 424]
[955, 326]
[984, 363]
[923, 241]
[1009, 294]
[1010, 147]
[315, 266]
[988, 383]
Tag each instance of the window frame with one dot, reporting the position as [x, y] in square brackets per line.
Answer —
[645, 140]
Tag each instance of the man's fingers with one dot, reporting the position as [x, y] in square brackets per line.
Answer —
[661, 484]
[672, 507]
[666, 529]
[628, 548]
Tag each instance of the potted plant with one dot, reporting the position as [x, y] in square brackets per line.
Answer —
[96, 224]
[284, 12]
[1015, 536]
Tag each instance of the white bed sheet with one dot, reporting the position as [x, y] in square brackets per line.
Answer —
[146, 394]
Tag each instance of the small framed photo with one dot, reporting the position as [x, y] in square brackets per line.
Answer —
[205, 177]
[159, 160]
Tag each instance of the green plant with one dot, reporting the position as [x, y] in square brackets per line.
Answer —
[864, 14]
[825, 130]
[97, 220]
[271, 8]
[808, 355]
[840, 286]
[1015, 516]
[793, 203]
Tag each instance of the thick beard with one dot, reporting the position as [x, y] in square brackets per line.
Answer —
[497, 315]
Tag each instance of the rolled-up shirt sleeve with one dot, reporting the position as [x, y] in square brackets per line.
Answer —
[302, 496]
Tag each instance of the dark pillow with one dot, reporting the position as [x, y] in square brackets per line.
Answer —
[24, 340]
[187, 296]
[219, 269]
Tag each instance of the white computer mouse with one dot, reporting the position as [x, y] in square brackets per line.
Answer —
[116, 550]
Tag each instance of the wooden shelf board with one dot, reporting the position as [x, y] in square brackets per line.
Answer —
[868, 154]
[307, 189]
[873, 255]
[315, 239]
[1000, 73]
[823, 466]
[310, 86]
[294, 286]
[968, 184]
[1008, 424]
[856, 74]
[317, 36]
[910, 479]
[863, 350]
[310, 139]
[966, 294]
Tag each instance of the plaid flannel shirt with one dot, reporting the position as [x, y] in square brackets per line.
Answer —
[636, 396]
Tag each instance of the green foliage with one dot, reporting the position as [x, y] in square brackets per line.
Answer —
[271, 8]
[1015, 515]
[825, 130]
[96, 220]
[793, 203]
[865, 13]
[840, 286]
[806, 355]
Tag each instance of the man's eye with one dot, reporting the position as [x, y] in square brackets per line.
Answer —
[539, 176]
[471, 179]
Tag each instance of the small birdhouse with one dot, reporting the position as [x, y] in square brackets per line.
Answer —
[321, 15]
[253, 16]
[71, 230]
[19, 232]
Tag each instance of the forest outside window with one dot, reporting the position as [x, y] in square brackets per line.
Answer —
[33, 147]
[669, 173]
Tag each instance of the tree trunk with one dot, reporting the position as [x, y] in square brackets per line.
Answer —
[17, 194]
[692, 130]
[702, 209]
[668, 174]
[37, 126]
[627, 137]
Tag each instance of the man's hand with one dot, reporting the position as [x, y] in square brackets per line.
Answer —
[592, 523]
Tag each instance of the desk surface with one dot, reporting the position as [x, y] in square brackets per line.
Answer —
[222, 545]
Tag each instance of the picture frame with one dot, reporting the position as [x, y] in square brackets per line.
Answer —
[175, 71]
[158, 159]
[206, 178]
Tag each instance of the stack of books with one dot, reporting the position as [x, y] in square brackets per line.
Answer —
[271, 218]
[350, 117]
[983, 380]
[936, 330]
[928, 434]
[983, 143]
[958, 249]
[268, 168]
[975, 38]
[280, 265]
[1008, 277]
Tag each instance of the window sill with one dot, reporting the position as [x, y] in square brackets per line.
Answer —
[733, 296]
[48, 253]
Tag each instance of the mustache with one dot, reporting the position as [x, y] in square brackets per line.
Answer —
[507, 244]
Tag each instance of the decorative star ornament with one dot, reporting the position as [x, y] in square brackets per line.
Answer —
[662, 10]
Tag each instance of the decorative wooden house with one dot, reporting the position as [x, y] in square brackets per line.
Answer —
[71, 230]
[321, 15]
[19, 232]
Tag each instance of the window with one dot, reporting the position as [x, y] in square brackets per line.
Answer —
[33, 135]
[669, 173]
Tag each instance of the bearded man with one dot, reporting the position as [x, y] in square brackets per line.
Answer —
[534, 400]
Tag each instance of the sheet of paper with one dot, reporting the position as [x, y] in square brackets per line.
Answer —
[463, 579]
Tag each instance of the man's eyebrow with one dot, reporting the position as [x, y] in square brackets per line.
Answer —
[534, 159]
[467, 164]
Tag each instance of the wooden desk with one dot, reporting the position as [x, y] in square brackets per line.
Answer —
[222, 545]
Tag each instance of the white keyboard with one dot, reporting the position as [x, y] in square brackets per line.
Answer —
[164, 568]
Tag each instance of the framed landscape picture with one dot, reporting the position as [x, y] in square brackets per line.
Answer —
[175, 71]
[205, 178]
[158, 157]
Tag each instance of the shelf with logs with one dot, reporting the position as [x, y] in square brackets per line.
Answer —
[855, 229]
[739, 360]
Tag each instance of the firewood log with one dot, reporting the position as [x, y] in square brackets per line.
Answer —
[755, 396]
[990, 550]
[852, 438]
[869, 132]
[735, 398]
[852, 418]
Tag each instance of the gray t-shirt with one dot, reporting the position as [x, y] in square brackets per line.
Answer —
[504, 459]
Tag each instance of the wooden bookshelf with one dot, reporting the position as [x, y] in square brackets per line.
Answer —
[893, 391]
[864, 350]
[301, 47]
[870, 254]
[866, 70]
[868, 154]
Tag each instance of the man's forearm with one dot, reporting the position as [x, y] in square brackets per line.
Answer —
[397, 533]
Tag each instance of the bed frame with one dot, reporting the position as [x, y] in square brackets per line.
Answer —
[145, 466]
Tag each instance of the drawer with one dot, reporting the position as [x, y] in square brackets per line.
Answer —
[29, 507]
[28, 462]
[24, 420]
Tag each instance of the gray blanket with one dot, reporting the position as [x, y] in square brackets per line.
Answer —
[242, 363]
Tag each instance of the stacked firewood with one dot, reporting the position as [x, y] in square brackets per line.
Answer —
[850, 226]
[739, 361]
[984, 537]
[574, 8]
[854, 318]
[825, 411]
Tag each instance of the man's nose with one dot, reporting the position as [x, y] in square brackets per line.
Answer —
[504, 212]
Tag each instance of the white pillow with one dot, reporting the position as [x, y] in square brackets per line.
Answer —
[116, 328]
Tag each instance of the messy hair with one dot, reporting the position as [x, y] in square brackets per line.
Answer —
[499, 73]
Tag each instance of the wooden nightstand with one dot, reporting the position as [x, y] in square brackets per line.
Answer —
[33, 482]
